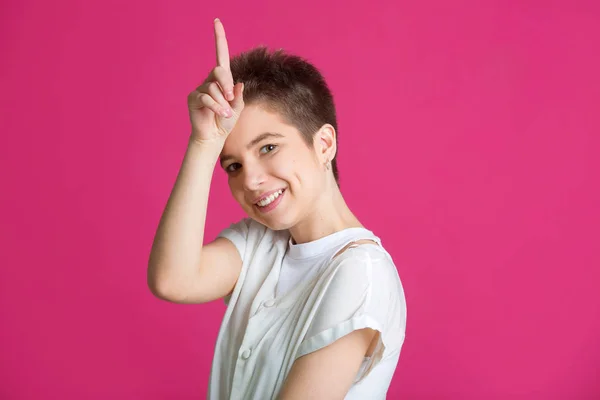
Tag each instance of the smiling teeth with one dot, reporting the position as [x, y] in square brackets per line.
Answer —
[269, 199]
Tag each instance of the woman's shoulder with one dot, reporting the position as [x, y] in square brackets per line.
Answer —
[365, 256]
[252, 230]
[366, 246]
[365, 274]
[365, 259]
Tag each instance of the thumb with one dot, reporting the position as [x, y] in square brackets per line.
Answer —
[238, 101]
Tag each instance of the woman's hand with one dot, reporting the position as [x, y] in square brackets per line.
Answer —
[216, 105]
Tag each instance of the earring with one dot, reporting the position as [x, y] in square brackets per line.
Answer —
[328, 165]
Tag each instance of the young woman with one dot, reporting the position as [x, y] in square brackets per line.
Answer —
[315, 307]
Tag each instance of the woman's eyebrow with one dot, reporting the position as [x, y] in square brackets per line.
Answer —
[262, 137]
[253, 142]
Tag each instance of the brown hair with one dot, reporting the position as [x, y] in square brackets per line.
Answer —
[289, 85]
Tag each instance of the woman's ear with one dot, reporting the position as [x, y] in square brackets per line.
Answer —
[325, 143]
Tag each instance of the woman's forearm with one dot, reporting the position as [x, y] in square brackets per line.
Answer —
[177, 245]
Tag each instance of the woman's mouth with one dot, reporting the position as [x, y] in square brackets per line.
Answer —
[270, 202]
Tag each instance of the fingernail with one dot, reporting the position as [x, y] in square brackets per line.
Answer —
[224, 113]
[230, 95]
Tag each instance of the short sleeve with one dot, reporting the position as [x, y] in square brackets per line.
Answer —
[363, 291]
[237, 234]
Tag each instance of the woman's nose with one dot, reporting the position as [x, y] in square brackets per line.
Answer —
[253, 178]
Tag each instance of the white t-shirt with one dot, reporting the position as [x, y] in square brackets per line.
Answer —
[293, 299]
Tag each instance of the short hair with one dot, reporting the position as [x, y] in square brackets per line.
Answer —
[289, 85]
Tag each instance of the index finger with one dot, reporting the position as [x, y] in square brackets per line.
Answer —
[221, 45]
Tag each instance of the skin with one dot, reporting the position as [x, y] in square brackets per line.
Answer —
[328, 373]
[311, 207]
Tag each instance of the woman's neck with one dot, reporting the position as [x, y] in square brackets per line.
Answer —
[331, 214]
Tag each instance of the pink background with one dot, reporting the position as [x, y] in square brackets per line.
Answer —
[469, 138]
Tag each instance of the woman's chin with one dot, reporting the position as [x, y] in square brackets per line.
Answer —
[273, 222]
[276, 219]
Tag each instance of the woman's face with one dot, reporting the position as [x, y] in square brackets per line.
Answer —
[273, 174]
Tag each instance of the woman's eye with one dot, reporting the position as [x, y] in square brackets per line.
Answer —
[267, 148]
[232, 167]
